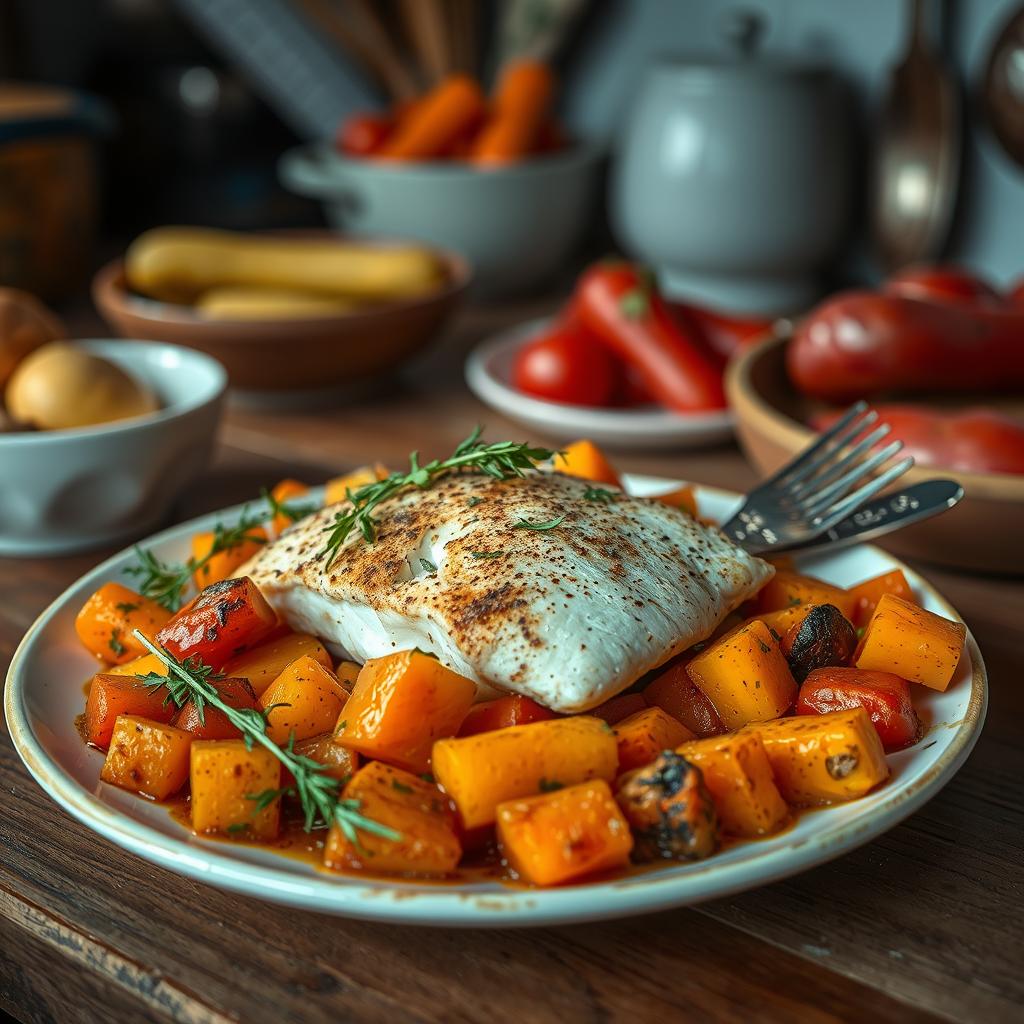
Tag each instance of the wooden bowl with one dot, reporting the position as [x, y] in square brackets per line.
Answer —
[295, 354]
[980, 533]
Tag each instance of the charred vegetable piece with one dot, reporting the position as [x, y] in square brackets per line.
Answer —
[670, 810]
[213, 724]
[679, 696]
[823, 639]
[112, 696]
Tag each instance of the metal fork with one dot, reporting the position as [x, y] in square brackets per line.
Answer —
[821, 487]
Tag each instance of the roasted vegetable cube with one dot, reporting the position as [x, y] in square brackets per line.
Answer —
[869, 593]
[233, 789]
[214, 724]
[503, 713]
[310, 699]
[147, 757]
[112, 695]
[263, 664]
[787, 589]
[222, 565]
[679, 696]
[644, 735]
[107, 620]
[585, 460]
[822, 639]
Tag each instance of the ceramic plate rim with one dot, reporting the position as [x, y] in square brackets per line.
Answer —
[456, 906]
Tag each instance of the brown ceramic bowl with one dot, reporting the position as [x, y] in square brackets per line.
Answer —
[980, 533]
[295, 354]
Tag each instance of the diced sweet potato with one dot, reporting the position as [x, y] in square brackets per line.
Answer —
[585, 460]
[739, 778]
[679, 696]
[263, 664]
[339, 762]
[347, 673]
[615, 709]
[788, 589]
[337, 489]
[866, 595]
[400, 705]
[312, 699]
[745, 676]
[147, 757]
[111, 696]
[683, 497]
[282, 492]
[214, 723]
[644, 735]
[913, 643]
[226, 779]
[223, 564]
[503, 712]
[822, 759]
[479, 772]
[415, 809]
[141, 666]
[559, 836]
[107, 620]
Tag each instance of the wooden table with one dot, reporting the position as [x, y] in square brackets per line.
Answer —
[923, 924]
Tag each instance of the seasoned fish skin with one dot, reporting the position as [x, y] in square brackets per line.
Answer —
[569, 616]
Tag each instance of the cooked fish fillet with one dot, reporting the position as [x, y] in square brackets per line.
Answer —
[569, 615]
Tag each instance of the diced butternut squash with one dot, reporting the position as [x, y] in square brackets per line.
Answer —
[417, 810]
[739, 778]
[643, 736]
[615, 709]
[684, 498]
[585, 460]
[745, 676]
[400, 705]
[679, 696]
[141, 666]
[479, 772]
[107, 620]
[822, 759]
[214, 724]
[913, 643]
[782, 621]
[337, 489]
[347, 673]
[311, 699]
[226, 781]
[560, 836]
[111, 696]
[866, 595]
[283, 492]
[147, 757]
[787, 589]
[263, 664]
[503, 712]
[339, 762]
[213, 568]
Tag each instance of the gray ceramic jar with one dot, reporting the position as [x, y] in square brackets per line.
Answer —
[734, 181]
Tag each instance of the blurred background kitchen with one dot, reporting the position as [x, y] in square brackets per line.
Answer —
[756, 156]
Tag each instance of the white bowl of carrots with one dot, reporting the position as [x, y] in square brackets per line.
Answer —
[492, 178]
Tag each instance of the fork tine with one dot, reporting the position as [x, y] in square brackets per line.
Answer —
[824, 439]
[817, 503]
[839, 467]
[835, 447]
[869, 490]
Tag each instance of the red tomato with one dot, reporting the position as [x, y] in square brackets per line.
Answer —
[363, 134]
[884, 696]
[943, 284]
[565, 365]
[724, 335]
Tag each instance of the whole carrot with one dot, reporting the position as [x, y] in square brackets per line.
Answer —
[436, 121]
[521, 107]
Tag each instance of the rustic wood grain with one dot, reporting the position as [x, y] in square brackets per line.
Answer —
[921, 924]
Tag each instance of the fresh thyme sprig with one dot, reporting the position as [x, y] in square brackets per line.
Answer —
[502, 461]
[318, 793]
[293, 513]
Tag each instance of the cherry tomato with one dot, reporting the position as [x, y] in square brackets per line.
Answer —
[943, 284]
[363, 134]
[565, 365]
[724, 335]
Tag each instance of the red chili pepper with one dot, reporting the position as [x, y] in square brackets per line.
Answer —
[618, 304]
[723, 335]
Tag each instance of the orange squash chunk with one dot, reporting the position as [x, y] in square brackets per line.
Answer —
[337, 489]
[339, 762]
[560, 836]
[400, 705]
[222, 565]
[684, 498]
[869, 593]
[912, 642]
[111, 696]
[141, 666]
[615, 709]
[347, 673]
[643, 736]
[739, 778]
[282, 492]
[225, 778]
[679, 696]
[585, 460]
[107, 620]
[745, 676]
[312, 699]
[263, 664]
[787, 589]
[147, 757]
[415, 809]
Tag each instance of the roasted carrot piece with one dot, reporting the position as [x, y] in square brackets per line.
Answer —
[426, 845]
[557, 837]
[147, 757]
[226, 619]
[643, 736]
[214, 724]
[515, 709]
[226, 779]
[223, 564]
[400, 705]
[311, 699]
[436, 121]
[282, 492]
[679, 696]
[912, 642]
[684, 497]
[107, 619]
[113, 696]
[615, 709]
[520, 108]
[866, 595]
[337, 489]
[479, 772]
[585, 460]
[263, 664]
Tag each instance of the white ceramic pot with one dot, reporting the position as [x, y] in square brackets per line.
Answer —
[733, 181]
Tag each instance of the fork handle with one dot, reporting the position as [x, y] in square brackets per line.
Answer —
[893, 511]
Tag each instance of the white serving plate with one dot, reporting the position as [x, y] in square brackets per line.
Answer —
[489, 376]
[44, 694]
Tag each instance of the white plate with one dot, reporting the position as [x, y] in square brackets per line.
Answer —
[489, 376]
[44, 694]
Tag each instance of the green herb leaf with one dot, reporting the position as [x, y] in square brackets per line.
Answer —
[428, 565]
[127, 607]
[293, 513]
[486, 554]
[525, 524]
[635, 304]
[599, 494]
[114, 643]
[342, 726]
[474, 501]
[236, 827]
[550, 785]
[401, 787]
